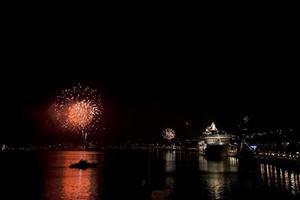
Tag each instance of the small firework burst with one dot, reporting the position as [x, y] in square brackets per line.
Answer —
[168, 134]
[78, 109]
[187, 124]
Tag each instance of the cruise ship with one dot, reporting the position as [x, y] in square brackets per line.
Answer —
[215, 144]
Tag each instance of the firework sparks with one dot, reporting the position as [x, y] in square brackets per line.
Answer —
[168, 134]
[81, 113]
[79, 109]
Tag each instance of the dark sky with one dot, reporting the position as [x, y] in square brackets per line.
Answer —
[151, 78]
[139, 102]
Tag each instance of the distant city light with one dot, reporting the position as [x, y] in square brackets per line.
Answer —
[253, 147]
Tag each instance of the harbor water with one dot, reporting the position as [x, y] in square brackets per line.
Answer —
[134, 174]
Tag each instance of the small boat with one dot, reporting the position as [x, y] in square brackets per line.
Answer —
[83, 164]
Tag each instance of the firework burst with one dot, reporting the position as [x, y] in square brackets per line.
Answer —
[79, 109]
[168, 134]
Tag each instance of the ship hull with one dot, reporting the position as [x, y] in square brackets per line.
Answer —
[219, 151]
[215, 151]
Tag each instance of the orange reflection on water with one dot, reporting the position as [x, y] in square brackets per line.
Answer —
[79, 184]
[69, 184]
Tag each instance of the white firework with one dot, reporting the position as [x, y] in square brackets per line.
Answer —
[168, 134]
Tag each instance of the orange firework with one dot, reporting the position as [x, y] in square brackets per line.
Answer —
[79, 109]
[80, 114]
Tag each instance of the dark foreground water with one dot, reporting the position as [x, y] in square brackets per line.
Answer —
[138, 174]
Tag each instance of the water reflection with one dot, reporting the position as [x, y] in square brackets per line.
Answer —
[79, 184]
[170, 161]
[228, 165]
[170, 167]
[68, 184]
[135, 174]
[216, 175]
[280, 178]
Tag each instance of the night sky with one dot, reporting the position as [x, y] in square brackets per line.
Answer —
[150, 80]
